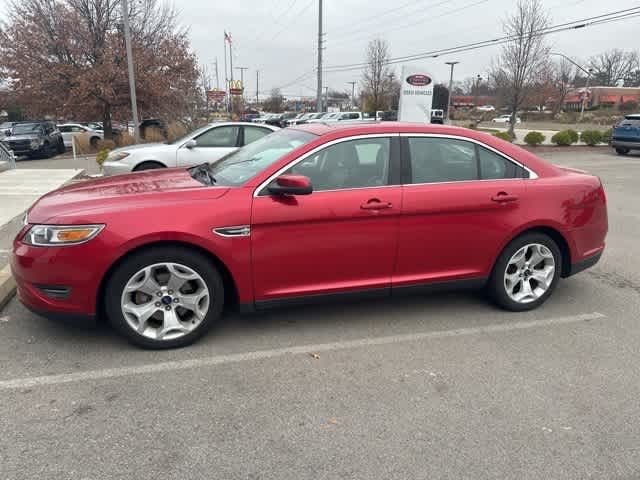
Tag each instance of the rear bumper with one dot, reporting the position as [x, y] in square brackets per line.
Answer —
[624, 144]
[585, 263]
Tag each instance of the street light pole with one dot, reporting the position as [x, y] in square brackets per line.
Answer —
[353, 93]
[588, 72]
[320, 34]
[452, 64]
[132, 78]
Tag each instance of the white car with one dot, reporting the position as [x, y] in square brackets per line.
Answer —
[329, 117]
[207, 144]
[486, 108]
[70, 130]
[504, 119]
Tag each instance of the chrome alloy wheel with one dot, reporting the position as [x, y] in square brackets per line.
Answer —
[529, 273]
[165, 301]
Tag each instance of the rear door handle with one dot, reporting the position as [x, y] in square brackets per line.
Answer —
[375, 204]
[503, 197]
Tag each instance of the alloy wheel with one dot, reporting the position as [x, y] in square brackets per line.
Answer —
[165, 301]
[529, 273]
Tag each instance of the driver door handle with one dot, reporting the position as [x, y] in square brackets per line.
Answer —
[504, 197]
[375, 204]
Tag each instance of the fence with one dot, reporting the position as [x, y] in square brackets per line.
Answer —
[7, 155]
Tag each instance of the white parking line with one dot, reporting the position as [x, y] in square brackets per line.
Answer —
[278, 352]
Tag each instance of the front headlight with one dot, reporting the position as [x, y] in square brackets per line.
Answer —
[57, 235]
[115, 156]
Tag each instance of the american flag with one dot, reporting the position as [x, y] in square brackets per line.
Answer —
[227, 37]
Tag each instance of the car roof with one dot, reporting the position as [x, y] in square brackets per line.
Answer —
[373, 127]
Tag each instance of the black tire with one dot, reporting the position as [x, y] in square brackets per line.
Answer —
[622, 151]
[94, 142]
[182, 255]
[496, 287]
[61, 147]
[48, 151]
[148, 165]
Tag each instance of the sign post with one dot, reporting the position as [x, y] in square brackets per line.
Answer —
[416, 95]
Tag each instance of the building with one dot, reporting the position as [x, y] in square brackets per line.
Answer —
[470, 101]
[602, 97]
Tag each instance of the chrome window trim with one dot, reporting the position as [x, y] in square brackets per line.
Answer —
[532, 175]
[256, 192]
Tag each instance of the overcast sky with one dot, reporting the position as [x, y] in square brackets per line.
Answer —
[279, 37]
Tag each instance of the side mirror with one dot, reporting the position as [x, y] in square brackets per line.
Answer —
[291, 185]
[191, 143]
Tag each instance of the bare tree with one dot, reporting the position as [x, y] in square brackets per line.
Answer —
[275, 103]
[377, 77]
[615, 65]
[563, 78]
[523, 56]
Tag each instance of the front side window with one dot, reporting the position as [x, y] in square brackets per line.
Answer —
[226, 136]
[351, 164]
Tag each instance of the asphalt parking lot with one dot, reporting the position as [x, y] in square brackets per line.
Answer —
[445, 386]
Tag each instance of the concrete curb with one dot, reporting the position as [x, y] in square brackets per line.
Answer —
[7, 286]
[4, 166]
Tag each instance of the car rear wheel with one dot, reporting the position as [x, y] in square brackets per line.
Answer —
[164, 297]
[148, 166]
[622, 151]
[526, 272]
[61, 147]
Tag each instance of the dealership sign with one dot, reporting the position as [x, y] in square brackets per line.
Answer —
[416, 95]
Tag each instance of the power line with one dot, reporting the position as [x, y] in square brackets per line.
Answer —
[596, 20]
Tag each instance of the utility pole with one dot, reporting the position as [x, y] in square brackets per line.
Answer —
[326, 96]
[242, 69]
[452, 64]
[226, 77]
[319, 91]
[132, 78]
[585, 97]
[217, 78]
[353, 93]
[258, 87]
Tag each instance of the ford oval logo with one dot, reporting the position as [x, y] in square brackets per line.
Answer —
[418, 80]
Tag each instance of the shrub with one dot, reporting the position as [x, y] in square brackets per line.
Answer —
[630, 106]
[575, 136]
[534, 138]
[562, 138]
[591, 137]
[125, 139]
[503, 135]
[606, 135]
[175, 130]
[102, 156]
[153, 135]
[106, 144]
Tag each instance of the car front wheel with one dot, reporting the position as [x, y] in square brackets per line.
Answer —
[164, 297]
[526, 272]
[622, 151]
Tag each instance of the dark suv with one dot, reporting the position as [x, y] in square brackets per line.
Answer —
[626, 135]
[35, 139]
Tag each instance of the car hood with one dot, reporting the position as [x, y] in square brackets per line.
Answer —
[83, 202]
[155, 147]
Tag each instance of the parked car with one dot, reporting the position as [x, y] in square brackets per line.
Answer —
[70, 130]
[626, 135]
[327, 118]
[207, 144]
[387, 115]
[486, 108]
[299, 119]
[5, 129]
[310, 213]
[505, 119]
[35, 139]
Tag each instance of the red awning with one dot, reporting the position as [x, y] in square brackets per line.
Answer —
[629, 98]
[609, 98]
[574, 98]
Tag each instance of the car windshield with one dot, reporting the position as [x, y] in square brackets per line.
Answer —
[26, 128]
[189, 135]
[245, 163]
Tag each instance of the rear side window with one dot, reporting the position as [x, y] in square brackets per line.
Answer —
[494, 166]
[225, 136]
[436, 160]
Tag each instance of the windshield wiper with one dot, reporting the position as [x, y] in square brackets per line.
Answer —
[203, 173]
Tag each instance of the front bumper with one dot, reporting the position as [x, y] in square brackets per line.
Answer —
[55, 282]
[624, 144]
[115, 168]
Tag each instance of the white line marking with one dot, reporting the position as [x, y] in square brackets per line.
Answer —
[278, 352]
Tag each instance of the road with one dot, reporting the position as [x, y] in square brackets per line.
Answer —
[437, 387]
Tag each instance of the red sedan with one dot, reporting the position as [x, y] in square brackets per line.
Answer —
[310, 213]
